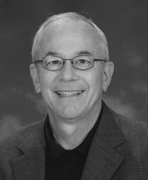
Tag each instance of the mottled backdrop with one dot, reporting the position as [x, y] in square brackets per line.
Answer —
[123, 21]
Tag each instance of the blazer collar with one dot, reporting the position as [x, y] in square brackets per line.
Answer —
[106, 151]
[30, 164]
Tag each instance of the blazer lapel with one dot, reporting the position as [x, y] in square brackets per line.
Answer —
[30, 163]
[102, 162]
[103, 158]
[30, 166]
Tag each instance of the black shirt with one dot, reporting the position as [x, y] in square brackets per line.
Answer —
[64, 164]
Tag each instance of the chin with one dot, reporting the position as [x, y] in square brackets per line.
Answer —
[71, 113]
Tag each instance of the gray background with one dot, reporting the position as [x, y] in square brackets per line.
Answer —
[123, 21]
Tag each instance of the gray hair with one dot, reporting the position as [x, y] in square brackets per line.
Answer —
[58, 19]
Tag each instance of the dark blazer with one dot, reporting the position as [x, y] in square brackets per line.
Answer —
[119, 151]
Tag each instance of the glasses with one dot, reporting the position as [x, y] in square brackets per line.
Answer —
[56, 63]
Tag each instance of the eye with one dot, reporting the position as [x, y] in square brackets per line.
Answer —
[54, 62]
[50, 61]
[83, 61]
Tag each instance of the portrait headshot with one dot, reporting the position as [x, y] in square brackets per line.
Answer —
[80, 137]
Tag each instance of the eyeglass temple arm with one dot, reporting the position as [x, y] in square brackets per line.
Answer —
[100, 60]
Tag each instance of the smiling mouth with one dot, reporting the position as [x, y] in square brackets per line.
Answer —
[69, 93]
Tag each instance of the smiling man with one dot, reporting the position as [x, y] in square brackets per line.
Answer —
[71, 72]
[80, 138]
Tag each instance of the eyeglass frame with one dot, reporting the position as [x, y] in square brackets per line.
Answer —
[71, 60]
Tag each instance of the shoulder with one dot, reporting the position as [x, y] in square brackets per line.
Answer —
[10, 146]
[131, 128]
[10, 142]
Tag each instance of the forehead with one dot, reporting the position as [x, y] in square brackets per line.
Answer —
[70, 35]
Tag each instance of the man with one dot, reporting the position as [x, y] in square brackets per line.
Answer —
[81, 138]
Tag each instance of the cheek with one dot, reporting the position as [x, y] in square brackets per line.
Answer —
[96, 87]
[94, 93]
[46, 81]
[94, 80]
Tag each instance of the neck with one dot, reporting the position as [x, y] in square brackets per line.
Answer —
[70, 133]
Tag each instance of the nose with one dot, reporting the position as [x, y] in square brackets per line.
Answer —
[68, 72]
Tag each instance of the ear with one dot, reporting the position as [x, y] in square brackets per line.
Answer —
[35, 78]
[107, 76]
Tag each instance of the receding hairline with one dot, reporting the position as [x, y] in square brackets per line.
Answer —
[59, 19]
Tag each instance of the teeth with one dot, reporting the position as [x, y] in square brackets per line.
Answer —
[68, 93]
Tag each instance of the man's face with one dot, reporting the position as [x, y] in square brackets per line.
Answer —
[71, 93]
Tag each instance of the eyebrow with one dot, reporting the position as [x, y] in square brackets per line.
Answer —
[51, 53]
[84, 53]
